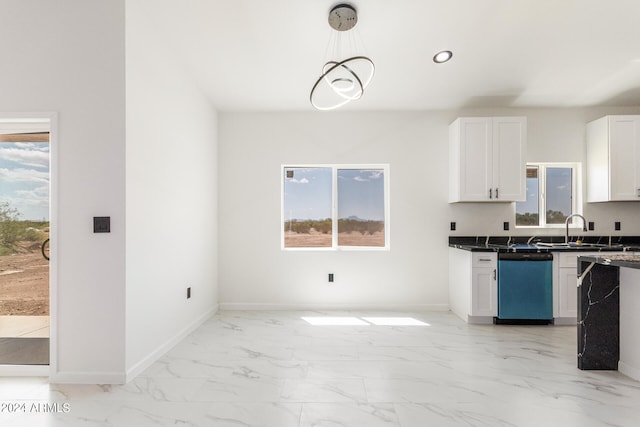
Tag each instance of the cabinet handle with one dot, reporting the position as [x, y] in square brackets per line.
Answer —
[491, 193]
[484, 259]
[638, 192]
[496, 192]
[495, 274]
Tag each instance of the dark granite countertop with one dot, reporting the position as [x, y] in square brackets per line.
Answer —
[544, 244]
[617, 260]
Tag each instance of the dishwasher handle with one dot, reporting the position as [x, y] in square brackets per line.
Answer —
[525, 256]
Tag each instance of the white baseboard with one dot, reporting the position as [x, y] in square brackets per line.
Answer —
[629, 370]
[235, 306]
[480, 320]
[103, 377]
[143, 364]
[24, 370]
[565, 321]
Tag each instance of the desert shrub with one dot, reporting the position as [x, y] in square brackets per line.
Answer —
[304, 227]
[323, 226]
[297, 226]
[9, 225]
[7, 213]
[527, 219]
[359, 226]
[9, 232]
[13, 230]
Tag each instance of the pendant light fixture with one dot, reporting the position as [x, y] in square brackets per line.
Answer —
[342, 80]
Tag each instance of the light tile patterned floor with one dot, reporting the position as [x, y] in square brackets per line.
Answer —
[274, 369]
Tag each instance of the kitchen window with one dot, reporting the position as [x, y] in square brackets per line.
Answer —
[552, 195]
[335, 207]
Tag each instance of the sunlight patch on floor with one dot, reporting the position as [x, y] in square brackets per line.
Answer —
[364, 321]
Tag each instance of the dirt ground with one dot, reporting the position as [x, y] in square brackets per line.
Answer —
[24, 283]
[315, 239]
[358, 239]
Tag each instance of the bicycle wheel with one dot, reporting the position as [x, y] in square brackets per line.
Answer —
[45, 249]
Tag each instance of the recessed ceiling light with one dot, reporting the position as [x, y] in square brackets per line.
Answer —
[442, 56]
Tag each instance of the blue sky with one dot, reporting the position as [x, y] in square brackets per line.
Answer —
[531, 204]
[307, 195]
[559, 184]
[559, 190]
[24, 178]
[361, 194]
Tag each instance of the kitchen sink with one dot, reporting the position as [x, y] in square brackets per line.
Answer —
[577, 245]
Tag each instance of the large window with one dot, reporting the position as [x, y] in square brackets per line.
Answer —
[335, 206]
[552, 195]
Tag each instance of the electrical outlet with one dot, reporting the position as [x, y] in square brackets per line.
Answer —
[452, 226]
[189, 292]
[592, 225]
[330, 277]
[505, 225]
[617, 226]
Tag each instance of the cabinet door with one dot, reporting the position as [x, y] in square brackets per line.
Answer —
[567, 292]
[509, 166]
[624, 155]
[475, 158]
[484, 292]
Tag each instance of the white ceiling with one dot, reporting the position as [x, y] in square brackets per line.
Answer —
[257, 55]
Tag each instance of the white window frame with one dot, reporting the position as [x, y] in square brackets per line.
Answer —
[576, 192]
[334, 206]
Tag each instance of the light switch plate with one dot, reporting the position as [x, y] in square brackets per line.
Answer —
[102, 224]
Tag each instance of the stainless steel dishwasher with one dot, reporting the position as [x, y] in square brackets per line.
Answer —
[525, 287]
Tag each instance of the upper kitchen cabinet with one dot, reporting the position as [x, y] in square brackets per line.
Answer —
[486, 159]
[613, 159]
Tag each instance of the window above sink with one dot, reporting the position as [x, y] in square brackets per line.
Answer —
[553, 193]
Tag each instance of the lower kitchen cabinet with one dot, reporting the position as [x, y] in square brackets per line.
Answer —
[473, 292]
[565, 286]
[484, 285]
[473, 285]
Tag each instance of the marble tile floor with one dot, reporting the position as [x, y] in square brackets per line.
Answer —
[274, 369]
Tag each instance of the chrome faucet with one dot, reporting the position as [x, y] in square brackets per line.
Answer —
[566, 225]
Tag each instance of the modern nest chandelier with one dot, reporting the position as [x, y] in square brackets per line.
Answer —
[342, 80]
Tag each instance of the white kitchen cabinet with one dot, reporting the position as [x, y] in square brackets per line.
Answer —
[473, 286]
[565, 289]
[613, 159]
[487, 159]
[484, 284]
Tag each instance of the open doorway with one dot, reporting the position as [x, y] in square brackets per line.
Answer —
[24, 236]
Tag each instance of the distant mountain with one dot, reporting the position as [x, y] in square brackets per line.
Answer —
[355, 218]
[349, 218]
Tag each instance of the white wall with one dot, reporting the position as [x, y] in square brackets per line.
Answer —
[253, 268]
[171, 202]
[255, 272]
[68, 57]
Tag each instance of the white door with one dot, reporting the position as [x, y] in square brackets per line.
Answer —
[24, 229]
